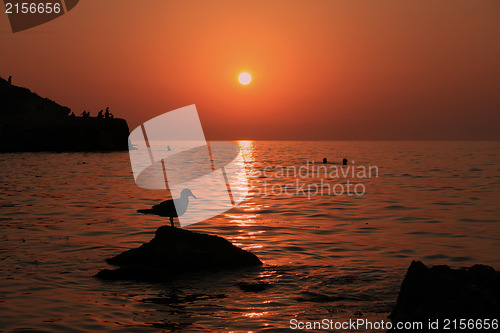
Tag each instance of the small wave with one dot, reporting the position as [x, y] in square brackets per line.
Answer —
[253, 286]
[172, 326]
[398, 207]
[437, 256]
[478, 220]
[308, 296]
[341, 280]
[427, 233]
[417, 219]
[451, 258]
[176, 299]
[445, 203]
[460, 259]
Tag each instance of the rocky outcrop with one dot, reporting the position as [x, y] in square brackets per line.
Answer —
[173, 251]
[441, 292]
[29, 122]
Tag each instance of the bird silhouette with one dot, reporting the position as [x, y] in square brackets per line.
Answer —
[171, 208]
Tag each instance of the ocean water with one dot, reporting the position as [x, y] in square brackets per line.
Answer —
[326, 255]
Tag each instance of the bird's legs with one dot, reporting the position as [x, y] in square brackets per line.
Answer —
[171, 221]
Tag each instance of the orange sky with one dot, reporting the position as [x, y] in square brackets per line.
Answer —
[336, 70]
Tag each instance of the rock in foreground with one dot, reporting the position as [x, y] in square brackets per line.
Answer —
[441, 292]
[175, 250]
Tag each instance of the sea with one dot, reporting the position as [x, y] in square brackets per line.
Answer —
[335, 243]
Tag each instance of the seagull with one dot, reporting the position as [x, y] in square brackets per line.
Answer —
[171, 208]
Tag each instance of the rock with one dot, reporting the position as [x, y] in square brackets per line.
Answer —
[29, 122]
[175, 250]
[441, 292]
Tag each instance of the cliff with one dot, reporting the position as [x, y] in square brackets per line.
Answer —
[29, 122]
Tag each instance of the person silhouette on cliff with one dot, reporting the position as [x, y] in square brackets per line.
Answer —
[106, 114]
[99, 115]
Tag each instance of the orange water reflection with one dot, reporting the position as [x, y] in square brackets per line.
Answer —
[246, 214]
[255, 314]
[61, 218]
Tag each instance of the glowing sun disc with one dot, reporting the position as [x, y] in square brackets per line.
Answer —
[244, 78]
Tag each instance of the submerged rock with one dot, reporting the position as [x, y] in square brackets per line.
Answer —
[441, 292]
[174, 250]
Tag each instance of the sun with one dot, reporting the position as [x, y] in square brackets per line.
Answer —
[244, 78]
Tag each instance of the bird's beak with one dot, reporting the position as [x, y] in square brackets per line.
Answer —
[193, 196]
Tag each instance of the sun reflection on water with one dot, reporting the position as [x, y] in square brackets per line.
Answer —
[246, 214]
[247, 150]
